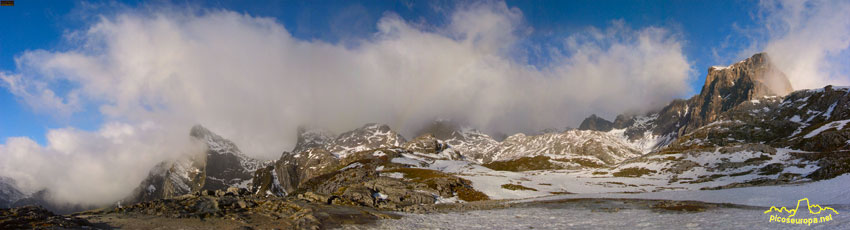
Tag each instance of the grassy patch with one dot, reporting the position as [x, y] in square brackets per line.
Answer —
[516, 187]
[523, 164]
[633, 172]
[581, 161]
[680, 206]
[429, 177]
[705, 178]
[469, 194]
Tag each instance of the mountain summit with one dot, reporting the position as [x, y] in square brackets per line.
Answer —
[223, 165]
[726, 87]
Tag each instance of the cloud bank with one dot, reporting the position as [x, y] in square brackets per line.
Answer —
[808, 40]
[153, 74]
[82, 167]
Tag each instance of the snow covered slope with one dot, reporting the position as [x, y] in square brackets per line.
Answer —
[599, 147]
[370, 136]
[595, 146]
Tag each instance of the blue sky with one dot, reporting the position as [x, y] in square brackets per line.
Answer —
[708, 29]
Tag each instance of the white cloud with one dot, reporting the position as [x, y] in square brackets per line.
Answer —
[249, 80]
[39, 96]
[808, 40]
[99, 167]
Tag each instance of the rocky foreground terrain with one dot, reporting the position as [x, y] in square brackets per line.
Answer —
[746, 128]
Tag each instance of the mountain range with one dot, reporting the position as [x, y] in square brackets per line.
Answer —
[746, 127]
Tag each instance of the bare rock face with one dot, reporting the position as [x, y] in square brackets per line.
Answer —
[223, 165]
[471, 144]
[726, 87]
[246, 210]
[359, 168]
[596, 123]
[265, 181]
[9, 192]
[370, 136]
[378, 182]
[311, 163]
[293, 169]
[425, 143]
[430, 146]
[312, 137]
[318, 154]
[165, 180]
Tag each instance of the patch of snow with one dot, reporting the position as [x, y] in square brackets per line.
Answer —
[838, 125]
[795, 118]
[243, 183]
[379, 196]
[351, 166]
[832, 191]
[396, 175]
[406, 161]
[566, 216]
[450, 200]
[828, 112]
[717, 67]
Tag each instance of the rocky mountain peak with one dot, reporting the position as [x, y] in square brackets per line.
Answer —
[441, 129]
[214, 142]
[375, 127]
[312, 137]
[9, 192]
[199, 131]
[756, 77]
[370, 136]
[726, 87]
[223, 165]
[596, 123]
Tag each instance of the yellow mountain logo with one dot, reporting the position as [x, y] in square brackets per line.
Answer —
[813, 209]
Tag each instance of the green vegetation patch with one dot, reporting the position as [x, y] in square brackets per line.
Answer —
[516, 187]
[582, 161]
[469, 194]
[633, 172]
[430, 178]
[523, 164]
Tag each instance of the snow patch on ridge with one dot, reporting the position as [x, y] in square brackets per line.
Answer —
[838, 125]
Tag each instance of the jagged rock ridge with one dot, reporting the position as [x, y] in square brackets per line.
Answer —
[222, 165]
[9, 192]
[596, 123]
[725, 88]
